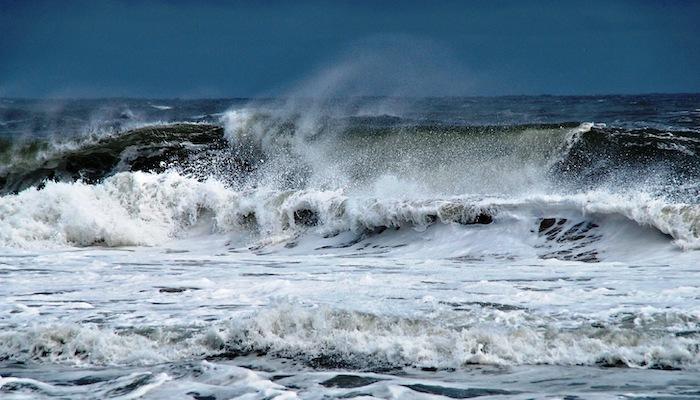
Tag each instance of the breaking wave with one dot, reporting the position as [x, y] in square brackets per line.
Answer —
[137, 208]
[274, 174]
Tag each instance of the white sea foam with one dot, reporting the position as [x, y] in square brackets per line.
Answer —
[127, 209]
[146, 209]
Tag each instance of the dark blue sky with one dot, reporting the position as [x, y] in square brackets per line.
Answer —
[242, 49]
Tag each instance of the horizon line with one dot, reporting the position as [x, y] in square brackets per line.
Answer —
[92, 98]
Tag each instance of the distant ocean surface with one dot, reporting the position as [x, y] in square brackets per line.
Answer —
[524, 247]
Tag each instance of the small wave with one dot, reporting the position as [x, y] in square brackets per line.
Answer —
[132, 386]
[332, 338]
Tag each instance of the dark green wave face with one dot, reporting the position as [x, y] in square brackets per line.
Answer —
[154, 148]
[355, 153]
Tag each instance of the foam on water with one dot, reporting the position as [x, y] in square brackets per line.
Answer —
[327, 337]
[431, 299]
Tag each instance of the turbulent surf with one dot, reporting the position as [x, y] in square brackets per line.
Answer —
[346, 247]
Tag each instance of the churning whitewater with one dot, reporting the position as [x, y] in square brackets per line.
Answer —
[337, 248]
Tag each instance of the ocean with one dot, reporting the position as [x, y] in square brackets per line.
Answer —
[524, 247]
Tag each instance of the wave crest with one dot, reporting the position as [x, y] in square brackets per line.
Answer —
[145, 209]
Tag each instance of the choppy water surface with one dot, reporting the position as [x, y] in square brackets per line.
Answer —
[521, 248]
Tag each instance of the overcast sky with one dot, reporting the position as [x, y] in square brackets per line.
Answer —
[267, 48]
